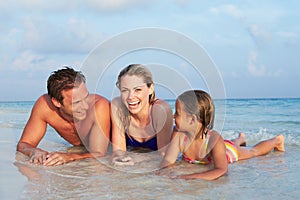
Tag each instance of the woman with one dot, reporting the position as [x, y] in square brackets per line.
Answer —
[138, 118]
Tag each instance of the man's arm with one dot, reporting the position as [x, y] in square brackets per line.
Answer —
[98, 137]
[100, 133]
[33, 132]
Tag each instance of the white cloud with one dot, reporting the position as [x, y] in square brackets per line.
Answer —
[259, 70]
[114, 5]
[71, 36]
[29, 61]
[290, 38]
[253, 69]
[259, 34]
[75, 5]
[33, 5]
[228, 9]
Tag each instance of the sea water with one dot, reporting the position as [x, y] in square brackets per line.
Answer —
[272, 176]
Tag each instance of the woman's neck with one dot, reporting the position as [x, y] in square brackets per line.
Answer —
[142, 118]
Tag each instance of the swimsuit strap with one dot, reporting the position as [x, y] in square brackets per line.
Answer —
[151, 114]
[207, 139]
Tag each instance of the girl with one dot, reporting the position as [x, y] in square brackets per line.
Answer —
[198, 143]
[138, 118]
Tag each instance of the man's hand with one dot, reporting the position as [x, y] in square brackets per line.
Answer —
[38, 156]
[57, 158]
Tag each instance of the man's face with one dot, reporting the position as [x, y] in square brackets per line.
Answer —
[76, 102]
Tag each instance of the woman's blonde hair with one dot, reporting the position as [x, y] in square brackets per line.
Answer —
[134, 70]
[200, 104]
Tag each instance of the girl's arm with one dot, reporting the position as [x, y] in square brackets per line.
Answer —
[218, 153]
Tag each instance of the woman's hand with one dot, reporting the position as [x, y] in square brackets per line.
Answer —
[122, 160]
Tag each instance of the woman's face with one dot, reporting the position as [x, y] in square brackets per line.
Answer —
[135, 93]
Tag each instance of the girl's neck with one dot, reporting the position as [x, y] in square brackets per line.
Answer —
[196, 132]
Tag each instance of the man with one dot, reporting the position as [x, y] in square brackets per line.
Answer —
[77, 116]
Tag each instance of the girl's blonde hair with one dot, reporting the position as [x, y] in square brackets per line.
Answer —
[134, 70]
[200, 104]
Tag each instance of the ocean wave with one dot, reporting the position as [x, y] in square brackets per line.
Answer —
[12, 125]
[255, 136]
[6, 125]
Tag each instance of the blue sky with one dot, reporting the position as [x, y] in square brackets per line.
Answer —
[255, 45]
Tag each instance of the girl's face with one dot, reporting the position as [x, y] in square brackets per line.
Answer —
[182, 118]
[135, 93]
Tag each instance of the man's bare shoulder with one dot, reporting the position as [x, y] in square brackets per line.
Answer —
[44, 108]
[100, 99]
[44, 103]
[101, 104]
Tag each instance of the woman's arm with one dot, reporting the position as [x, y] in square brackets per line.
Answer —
[172, 151]
[118, 132]
[163, 119]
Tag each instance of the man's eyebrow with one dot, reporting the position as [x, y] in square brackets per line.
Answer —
[82, 99]
[139, 86]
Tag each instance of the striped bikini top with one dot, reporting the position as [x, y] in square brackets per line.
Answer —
[206, 160]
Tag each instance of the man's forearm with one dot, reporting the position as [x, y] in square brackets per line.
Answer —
[25, 148]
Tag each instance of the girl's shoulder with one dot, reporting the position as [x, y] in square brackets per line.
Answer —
[213, 133]
[214, 138]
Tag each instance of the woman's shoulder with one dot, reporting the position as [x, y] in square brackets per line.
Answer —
[116, 101]
[160, 103]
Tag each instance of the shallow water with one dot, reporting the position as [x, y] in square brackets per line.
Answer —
[272, 176]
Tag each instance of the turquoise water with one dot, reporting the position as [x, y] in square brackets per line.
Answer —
[259, 118]
[272, 176]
